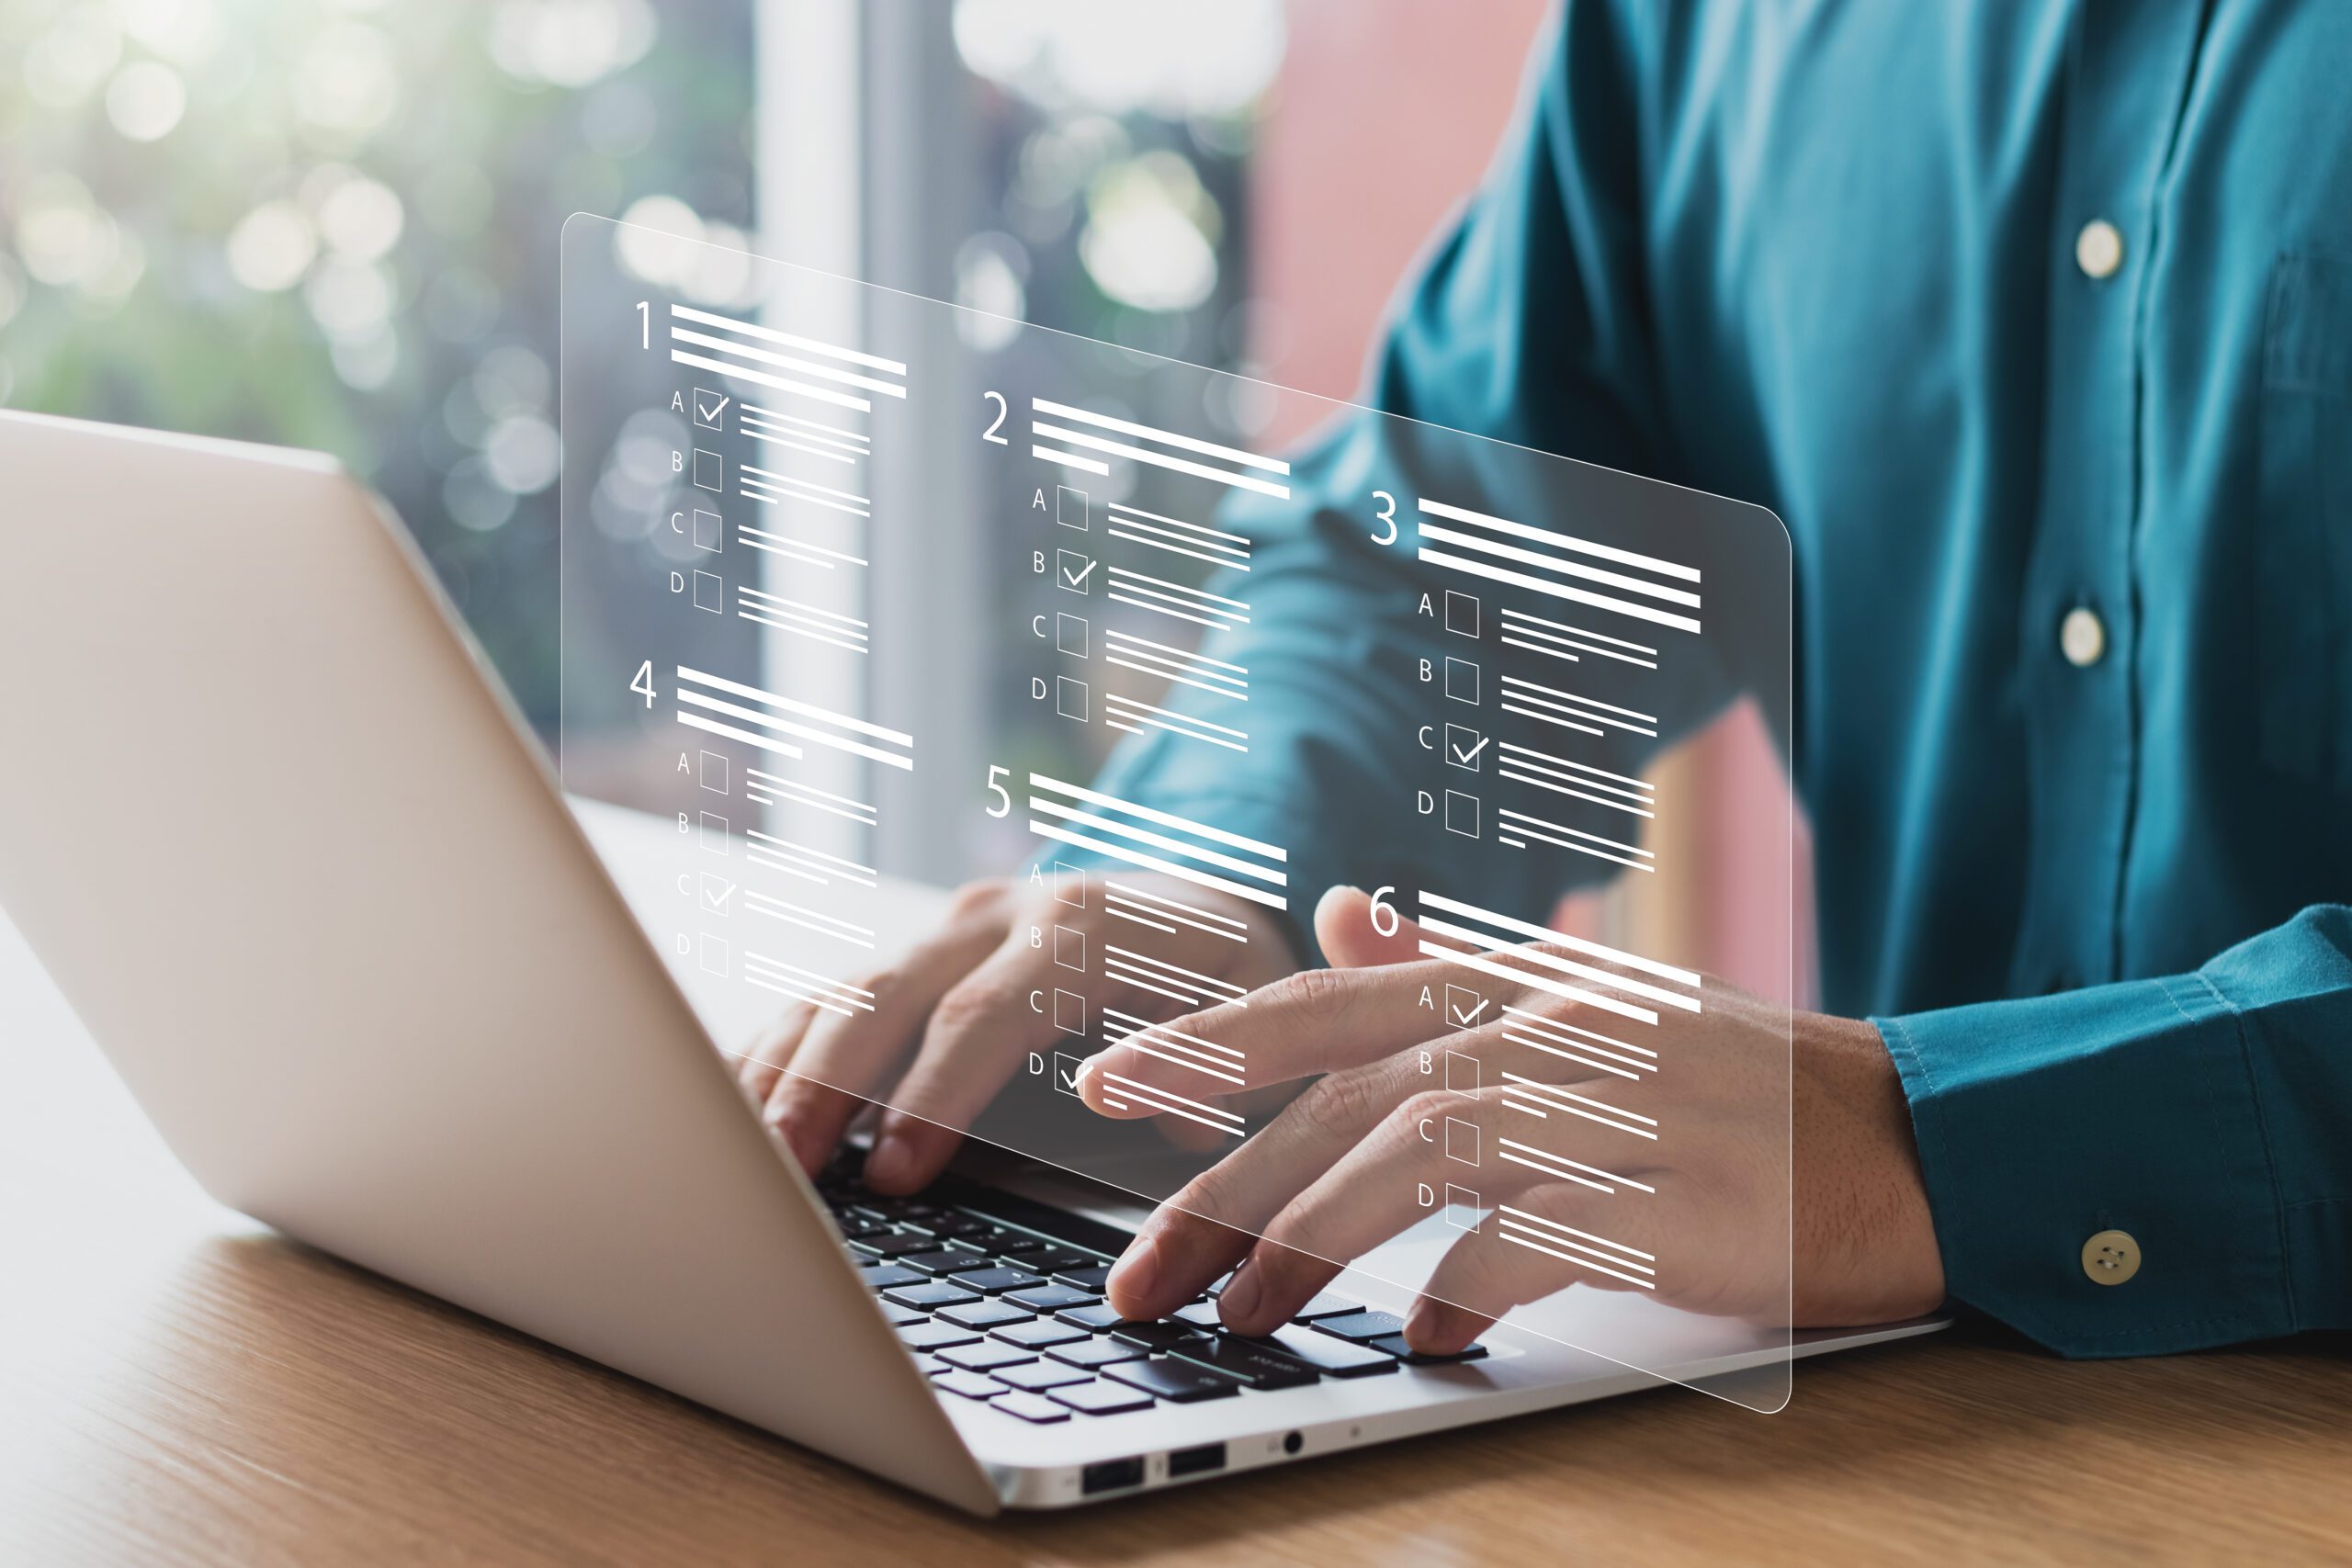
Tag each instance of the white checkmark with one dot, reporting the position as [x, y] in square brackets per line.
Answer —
[1472, 1016]
[718, 901]
[712, 412]
[1069, 1079]
[1461, 756]
[1077, 577]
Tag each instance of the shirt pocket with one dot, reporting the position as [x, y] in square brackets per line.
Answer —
[2303, 548]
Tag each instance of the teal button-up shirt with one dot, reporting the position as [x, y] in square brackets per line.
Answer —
[1828, 258]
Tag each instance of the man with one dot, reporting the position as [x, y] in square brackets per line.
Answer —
[2034, 323]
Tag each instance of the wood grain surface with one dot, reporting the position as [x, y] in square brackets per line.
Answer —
[178, 1387]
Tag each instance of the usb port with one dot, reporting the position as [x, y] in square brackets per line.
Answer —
[1110, 1476]
[1196, 1462]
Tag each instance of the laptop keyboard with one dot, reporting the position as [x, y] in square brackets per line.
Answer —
[1000, 1299]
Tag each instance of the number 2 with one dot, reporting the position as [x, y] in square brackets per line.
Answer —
[990, 433]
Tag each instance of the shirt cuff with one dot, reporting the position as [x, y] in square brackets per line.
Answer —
[2042, 1123]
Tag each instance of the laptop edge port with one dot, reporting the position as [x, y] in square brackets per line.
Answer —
[1196, 1462]
[1110, 1475]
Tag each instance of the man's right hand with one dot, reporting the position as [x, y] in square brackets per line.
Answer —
[952, 1020]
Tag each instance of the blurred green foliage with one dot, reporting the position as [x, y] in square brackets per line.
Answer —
[334, 226]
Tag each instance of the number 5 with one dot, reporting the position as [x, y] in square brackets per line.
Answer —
[996, 788]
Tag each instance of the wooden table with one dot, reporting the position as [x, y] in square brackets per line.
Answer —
[179, 1387]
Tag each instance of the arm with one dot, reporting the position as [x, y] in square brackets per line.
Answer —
[1528, 325]
[2209, 1115]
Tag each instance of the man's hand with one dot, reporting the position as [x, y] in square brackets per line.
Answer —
[952, 1020]
[1694, 1208]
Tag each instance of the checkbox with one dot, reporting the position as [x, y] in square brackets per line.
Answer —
[1461, 1140]
[1463, 1207]
[714, 955]
[710, 533]
[1462, 813]
[1463, 1006]
[1066, 1074]
[1069, 1012]
[1072, 572]
[1070, 635]
[1461, 614]
[1069, 698]
[1462, 681]
[1069, 507]
[714, 834]
[1070, 885]
[710, 471]
[714, 773]
[710, 592]
[717, 893]
[710, 408]
[1069, 948]
[1465, 748]
[1461, 1073]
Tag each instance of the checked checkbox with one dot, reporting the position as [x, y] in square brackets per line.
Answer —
[1072, 570]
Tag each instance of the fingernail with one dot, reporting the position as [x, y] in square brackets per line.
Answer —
[1137, 1269]
[1238, 1300]
[890, 1161]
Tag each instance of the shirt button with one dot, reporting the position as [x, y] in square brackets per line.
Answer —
[2111, 1258]
[2082, 636]
[2098, 248]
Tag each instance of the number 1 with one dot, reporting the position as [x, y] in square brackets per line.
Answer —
[644, 324]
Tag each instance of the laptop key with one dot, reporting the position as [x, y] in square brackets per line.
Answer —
[1395, 1345]
[1090, 1278]
[931, 1366]
[996, 1280]
[984, 1314]
[1050, 1298]
[887, 1276]
[1327, 1353]
[1014, 1245]
[932, 1335]
[901, 1317]
[986, 1356]
[1091, 1353]
[930, 1294]
[1040, 1335]
[1255, 1363]
[1160, 1334]
[1059, 1260]
[1325, 1304]
[1031, 1407]
[1095, 1314]
[1038, 1376]
[1179, 1383]
[958, 1225]
[897, 1244]
[942, 1260]
[1099, 1398]
[971, 1385]
[1361, 1326]
[1200, 1316]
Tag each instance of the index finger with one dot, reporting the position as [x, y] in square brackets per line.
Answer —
[1317, 1020]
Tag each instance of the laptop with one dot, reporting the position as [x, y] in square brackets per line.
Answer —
[277, 832]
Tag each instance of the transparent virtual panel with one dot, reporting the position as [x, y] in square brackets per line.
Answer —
[1022, 739]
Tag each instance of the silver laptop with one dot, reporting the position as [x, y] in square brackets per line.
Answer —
[275, 829]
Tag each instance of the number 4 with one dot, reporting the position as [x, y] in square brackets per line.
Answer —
[642, 683]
